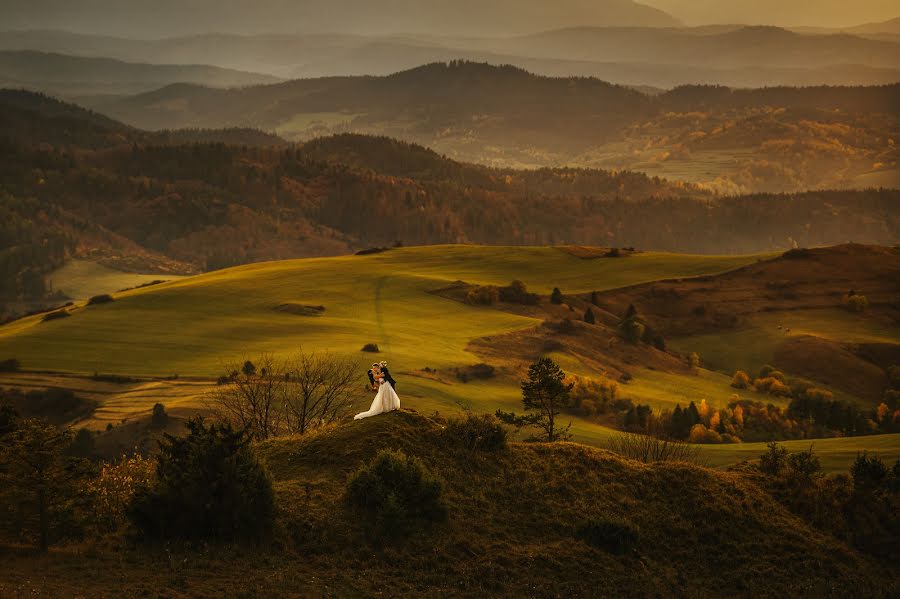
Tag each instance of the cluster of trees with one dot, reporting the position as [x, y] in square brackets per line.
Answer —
[635, 330]
[814, 412]
[808, 416]
[514, 293]
[862, 508]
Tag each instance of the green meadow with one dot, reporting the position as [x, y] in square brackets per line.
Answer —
[195, 326]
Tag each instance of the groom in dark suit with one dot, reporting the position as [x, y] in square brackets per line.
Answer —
[387, 375]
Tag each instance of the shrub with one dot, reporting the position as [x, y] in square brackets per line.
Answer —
[700, 434]
[396, 494]
[209, 485]
[56, 315]
[104, 298]
[803, 465]
[82, 445]
[693, 361]
[112, 491]
[741, 380]
[486, 295]
[632, 330]
[856, 303]
[589, 316]
[765, 371]
[614, 535]
[556, 296]
[772, 386]
[476, 432]
[371, 348]
[650, 448]
[159, 418]
[772, 462]
[10, 365]
[476, 371]
[517, 293]
[893, 374]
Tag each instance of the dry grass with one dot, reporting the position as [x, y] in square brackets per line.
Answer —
[513, 517]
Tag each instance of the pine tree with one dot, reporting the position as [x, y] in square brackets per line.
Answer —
[589, 316]
[556, 297]
[544, 394]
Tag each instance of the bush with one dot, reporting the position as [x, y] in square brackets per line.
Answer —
[476, 371]
[209, 485]
[772, 386]
[517, 293]
[632, 330]
[159, 418]
[589, 316]
[485, 295]
[772, 462]
[741, 380]
[893, 374]
[476, 432]
[55, 315]
[82, 444]
[856, 303]
[371, 348]
[609, 534]
[803, 465]
[104, 298]
[396, 494]
[10, 365]
[556, 296]
[651, 448]
[112, 491]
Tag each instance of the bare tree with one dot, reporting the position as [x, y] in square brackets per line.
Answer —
[268, 397]
[249, 397]
[319, 390]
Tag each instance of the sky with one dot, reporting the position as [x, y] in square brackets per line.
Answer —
[816, 13]
[166, 18]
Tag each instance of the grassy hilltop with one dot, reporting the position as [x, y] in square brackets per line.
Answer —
[698, 532]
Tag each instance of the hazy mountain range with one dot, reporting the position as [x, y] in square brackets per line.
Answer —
[161, 18]
[87, 76]
[660, 57]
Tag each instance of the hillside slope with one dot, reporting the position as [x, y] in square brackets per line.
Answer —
[700, 533]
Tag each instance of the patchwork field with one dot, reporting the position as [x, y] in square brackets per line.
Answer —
[193, 327]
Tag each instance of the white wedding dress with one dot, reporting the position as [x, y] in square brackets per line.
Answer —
[385, 400]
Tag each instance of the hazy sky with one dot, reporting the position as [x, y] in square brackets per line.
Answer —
[819, 13]
[164, 18]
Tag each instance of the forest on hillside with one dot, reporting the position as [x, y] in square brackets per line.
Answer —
[76, 183]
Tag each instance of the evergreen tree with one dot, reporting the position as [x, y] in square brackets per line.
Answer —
[544, 394]
[589, 316]
[556, 297]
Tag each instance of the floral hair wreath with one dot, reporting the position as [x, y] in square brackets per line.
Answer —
[383, 364]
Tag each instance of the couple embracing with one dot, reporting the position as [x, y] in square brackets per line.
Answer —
[386, 398]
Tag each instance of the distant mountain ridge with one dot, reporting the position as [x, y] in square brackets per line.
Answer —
[86, 76]
[166, 18]
[731, 55]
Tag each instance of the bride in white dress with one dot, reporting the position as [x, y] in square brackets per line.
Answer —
[386, 399]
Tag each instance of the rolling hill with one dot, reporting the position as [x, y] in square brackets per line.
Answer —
[698, 532]
[72, 76]
[193, 326]
[732, 141]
